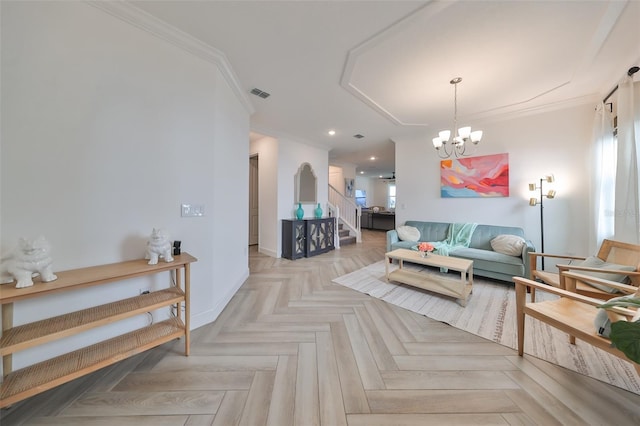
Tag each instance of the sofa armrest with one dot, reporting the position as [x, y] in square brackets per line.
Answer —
[527, 249]
[392, 237]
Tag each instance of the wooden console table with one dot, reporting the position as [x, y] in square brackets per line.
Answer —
[460, 289]
[31, 380]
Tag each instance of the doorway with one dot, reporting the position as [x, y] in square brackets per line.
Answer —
[253, 200]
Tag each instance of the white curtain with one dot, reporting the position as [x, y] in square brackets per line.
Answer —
[627, 198]
[602, 178]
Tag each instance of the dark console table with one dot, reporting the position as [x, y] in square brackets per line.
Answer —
[384, 221]
[307, 237]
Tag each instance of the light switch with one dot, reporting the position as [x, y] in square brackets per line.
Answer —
[192, 210]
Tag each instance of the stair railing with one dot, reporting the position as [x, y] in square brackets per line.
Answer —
[349, 212]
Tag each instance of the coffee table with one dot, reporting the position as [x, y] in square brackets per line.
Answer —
[438, 283]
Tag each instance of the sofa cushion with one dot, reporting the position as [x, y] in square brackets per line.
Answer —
[482, 236]
[403, 245]
[596, 262]
[408, 233]
[491, 261]
[508, 244]
[430, 231]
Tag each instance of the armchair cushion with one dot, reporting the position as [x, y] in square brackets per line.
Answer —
[508, 244]
[595, 262]
[408, 233]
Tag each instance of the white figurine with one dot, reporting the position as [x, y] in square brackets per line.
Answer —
[30, 258]
[158, 246]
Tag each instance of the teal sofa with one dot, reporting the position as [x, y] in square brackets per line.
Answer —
[486, 262]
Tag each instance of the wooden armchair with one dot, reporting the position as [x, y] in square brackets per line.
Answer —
[572, 313]
[610, 251]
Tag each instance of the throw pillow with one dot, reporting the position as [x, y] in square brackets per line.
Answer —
[508, 244]
[408, 233]
[596, 262]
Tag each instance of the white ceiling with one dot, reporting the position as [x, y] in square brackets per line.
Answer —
[382, 68]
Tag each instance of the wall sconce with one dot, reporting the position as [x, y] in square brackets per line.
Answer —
[534, 201]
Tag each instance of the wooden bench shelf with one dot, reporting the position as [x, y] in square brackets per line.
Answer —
[45, 375]
[33, 379]
[28, 335]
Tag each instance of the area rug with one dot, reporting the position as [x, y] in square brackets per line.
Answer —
[491, 313]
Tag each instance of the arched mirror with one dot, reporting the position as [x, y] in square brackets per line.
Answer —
[306, 185]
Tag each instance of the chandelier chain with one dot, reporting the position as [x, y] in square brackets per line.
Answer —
[455, 105]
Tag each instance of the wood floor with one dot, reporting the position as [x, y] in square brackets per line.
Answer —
[291, 348]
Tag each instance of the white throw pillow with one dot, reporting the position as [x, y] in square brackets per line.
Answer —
[508, 244]
[408, 233]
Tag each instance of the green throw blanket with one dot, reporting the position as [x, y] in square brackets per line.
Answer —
[459, 235]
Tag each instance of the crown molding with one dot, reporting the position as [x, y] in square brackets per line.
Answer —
[281, 135]
[129, 13]
[494, 116]
[430, 9]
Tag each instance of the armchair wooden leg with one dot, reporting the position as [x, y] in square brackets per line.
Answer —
[521, 294]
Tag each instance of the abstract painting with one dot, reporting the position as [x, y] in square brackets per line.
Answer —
[475, 177]
[349, 186]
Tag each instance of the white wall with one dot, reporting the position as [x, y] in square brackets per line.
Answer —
[377, 190]
[291, 154]
[552, 142]
[380, 192]
[106, 130]
[336, 178]
[278, 162]
[338, 172]
[267, 150]
[364, 184]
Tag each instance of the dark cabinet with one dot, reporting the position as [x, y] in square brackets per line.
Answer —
[319, 235]
[383, 221]
[365, 220]
[293, 239]
[307, 237]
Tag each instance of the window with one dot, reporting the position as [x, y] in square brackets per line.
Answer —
[392, 196]
[361, 197]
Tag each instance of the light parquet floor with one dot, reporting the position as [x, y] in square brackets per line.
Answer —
[292, 348]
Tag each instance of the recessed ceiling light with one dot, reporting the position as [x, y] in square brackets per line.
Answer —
[361, 172]
[331, 132]
[380, 176]
[372, 158]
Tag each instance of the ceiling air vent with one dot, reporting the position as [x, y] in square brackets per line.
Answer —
[358, 136]
[260, 93]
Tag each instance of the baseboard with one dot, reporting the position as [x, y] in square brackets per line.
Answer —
[268, 252]
[212, 314]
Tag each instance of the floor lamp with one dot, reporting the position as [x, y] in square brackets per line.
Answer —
[534, 201]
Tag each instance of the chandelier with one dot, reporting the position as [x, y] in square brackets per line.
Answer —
[460, 140]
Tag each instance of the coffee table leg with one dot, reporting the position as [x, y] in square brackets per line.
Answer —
[467, 279]
[386, 268]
